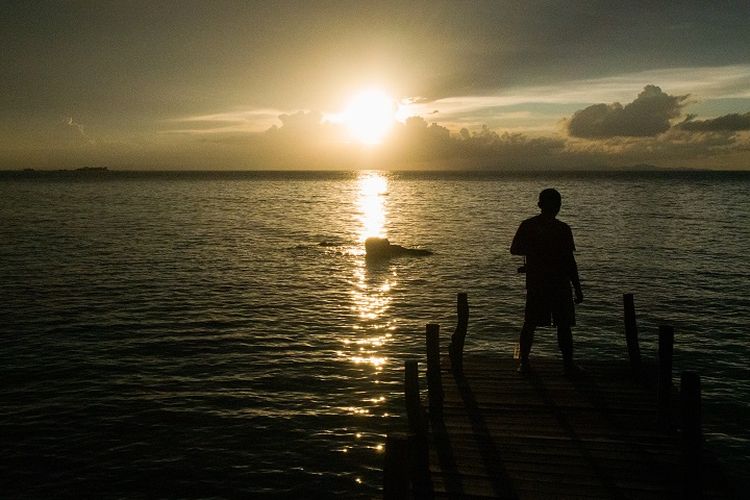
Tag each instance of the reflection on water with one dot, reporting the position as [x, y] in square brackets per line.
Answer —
[372, 188]
[371, 299]
[371, 288]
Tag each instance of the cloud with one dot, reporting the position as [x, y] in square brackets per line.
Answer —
[507, 145]
[564, 97]
[732, 122]
[476, 134]
[80, 132]
[419, 144]
[304, 141]
[304, 129]
[673, 149]
[647, 116]
[301, 120]
[237, 121]
[416, 143]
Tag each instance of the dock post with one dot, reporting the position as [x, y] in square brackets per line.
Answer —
[456, 347]
[418, 444]
[664, 387]
[434, 380]
[692, 434]
[396, 467]
[631, 334]
[411, 393]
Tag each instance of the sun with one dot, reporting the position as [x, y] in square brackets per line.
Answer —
[369, 116]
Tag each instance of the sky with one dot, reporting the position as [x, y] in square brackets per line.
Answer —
[391, 85]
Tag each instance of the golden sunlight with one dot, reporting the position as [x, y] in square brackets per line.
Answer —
[372, 187]
[371, 296]
[369, 116]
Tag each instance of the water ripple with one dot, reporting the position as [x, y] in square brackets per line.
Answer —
[187, 335]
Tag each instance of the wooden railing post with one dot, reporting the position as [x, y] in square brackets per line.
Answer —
[418, 445]
[692, 434]
[664, 387]
[456, 347]
[434, 380]
[396, 467]
[411, 394]
[631, 334]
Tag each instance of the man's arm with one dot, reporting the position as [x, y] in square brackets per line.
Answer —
[573, 269]
[518, 246]
[575, 279]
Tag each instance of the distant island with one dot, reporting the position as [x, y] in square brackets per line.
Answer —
[91, 169]
[79, 169]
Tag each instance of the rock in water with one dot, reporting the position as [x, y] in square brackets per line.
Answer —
[381, 248]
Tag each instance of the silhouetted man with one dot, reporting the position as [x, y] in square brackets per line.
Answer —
[548, 247]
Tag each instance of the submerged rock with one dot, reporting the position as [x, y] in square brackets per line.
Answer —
[381, 248]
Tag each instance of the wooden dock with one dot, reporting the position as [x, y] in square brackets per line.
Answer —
[617, 430]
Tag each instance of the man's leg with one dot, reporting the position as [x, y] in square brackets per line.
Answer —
[565, 341]
[526, 340]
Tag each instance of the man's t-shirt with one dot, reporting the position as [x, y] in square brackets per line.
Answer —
[548, 246]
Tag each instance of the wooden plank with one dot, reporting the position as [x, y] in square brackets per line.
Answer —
[504, 435]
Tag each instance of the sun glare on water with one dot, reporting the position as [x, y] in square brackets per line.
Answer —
[369, 116]
[372, 187]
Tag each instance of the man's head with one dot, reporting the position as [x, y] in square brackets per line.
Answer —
[550, 201]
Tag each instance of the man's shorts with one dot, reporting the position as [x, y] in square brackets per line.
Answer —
[546, 306]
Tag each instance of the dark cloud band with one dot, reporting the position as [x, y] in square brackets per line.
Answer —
[732, 122]
[647, 116]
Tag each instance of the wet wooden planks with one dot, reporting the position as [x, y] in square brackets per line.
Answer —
[541, 435]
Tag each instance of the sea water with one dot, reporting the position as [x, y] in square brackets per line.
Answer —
[221, 335]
